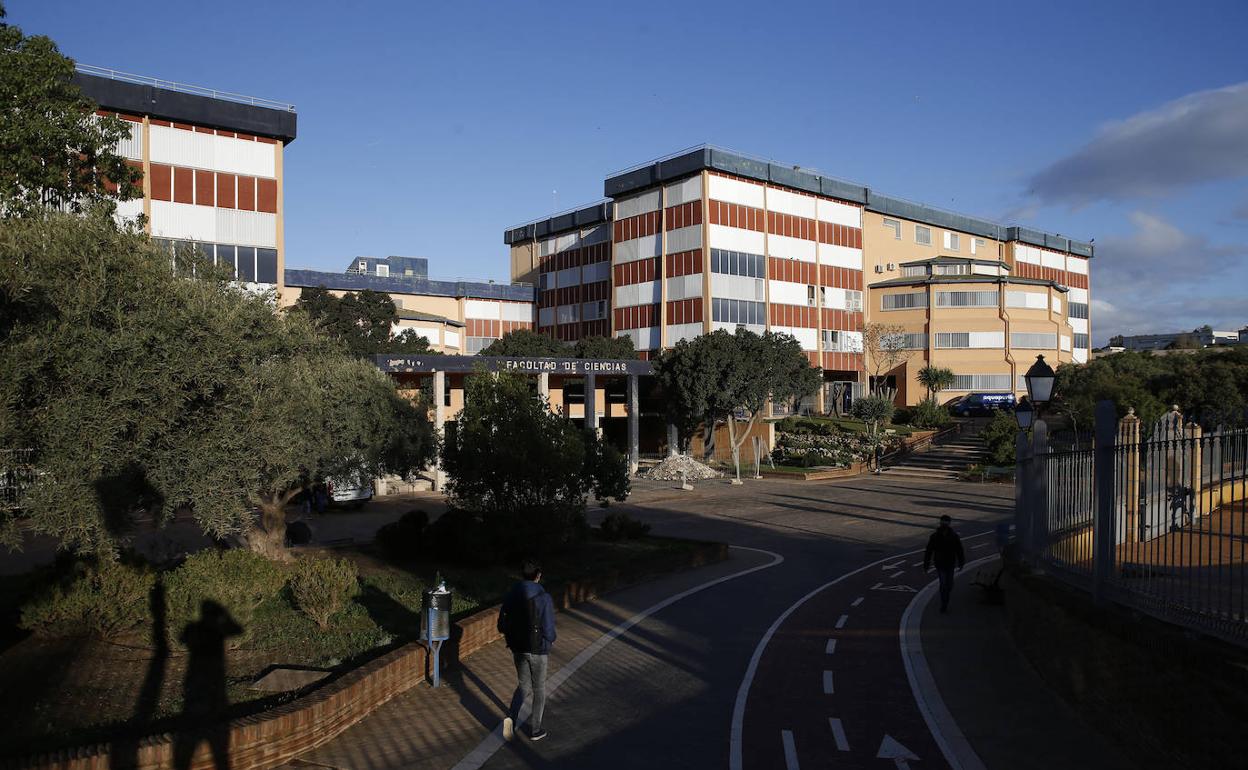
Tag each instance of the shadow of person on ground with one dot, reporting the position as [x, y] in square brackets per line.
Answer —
[125, 750]
[205, 701]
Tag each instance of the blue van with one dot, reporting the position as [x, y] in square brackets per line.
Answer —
[981, 404]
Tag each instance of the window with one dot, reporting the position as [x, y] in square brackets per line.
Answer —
[566, 314]
[737, 263]
[841, 341]
[966, 299]
[914, 341]
[1078, 309]
[853, 300]
[594, 311]
[475, 345]
[225, 257]
[977, 244]
[266, 264]
[1034, 340]
[923, 235]
[958, 268]
[383, 271]
[911, 271]
[1081, 341]
[980, 382]
[903, 301]
[363, 266]
[738, 311]
[810, 296]
[955, 241]
[895, 226]
[246, 264]
[946, 340]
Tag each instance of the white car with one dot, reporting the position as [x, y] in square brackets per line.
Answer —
[350, 490]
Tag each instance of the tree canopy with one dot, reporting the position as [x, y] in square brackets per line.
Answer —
[55, 152]
[526, 343]
[885, 348]
[604, 347]
[714, 377]
[362, 321]
[140, 389]
[935, 379]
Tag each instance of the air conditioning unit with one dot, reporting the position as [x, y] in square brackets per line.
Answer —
[879, 268]
[892, 266]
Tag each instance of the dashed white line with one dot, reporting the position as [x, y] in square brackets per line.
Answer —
[897, 573]
[840, 622]
[828, 689]
[790, 750]
[917, 564]
[893, 565]
[831, 647]
[857, 601]
[981, 545]
[838, 732]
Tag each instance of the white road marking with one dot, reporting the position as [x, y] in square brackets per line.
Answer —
[902, 588]
[790, 750]
[857, 601]
[981, 545]
[830, 647]
[891, 749]
[838, 732]
[735, 761]
[917, 564]
[828, 689]
[898, 572]
[893, 565]
[494, 741]
[953, 744]
[840, 622]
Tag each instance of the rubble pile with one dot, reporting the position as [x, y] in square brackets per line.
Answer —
[672, 467]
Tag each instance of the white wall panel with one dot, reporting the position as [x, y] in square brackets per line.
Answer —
[730, 327]
[684, 192]
[450, 339]
[480, 308]
[684, 239]
[637, 204]
[637, 248]
[1032, 300]
[252, 228]
[726, 286]
[179, 147]
[184, 221]
[839, 213]
[987, 339]
[1077, 265]
[735, 191]
[1077, 295]
[840, 256]
[646, 338]
[791, 248]
[684, 287]
[1080, 355]
[788, 293]
[431, 333]
[987, 269]
[853, 341]
[1053, 259]
[1028, 254]
[678, 332]
[1065, 342]
[1078, 325]
[132, 146]
[836, 298]
[644, 293]
[128, 209]
[595, 271]
[809, 338]
[569, 277]
[517, 311]
[735, 238]
[1057, 304]
[787, 202]
[567, 241]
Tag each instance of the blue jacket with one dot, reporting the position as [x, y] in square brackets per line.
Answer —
[514, 624]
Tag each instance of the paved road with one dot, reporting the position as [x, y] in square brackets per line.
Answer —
[664, 693]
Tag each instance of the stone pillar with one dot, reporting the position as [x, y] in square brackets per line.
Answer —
[1128, 470]
[1039, 492]
[591, 403]
[439, 420]
[634, 454]
[543, 385]
[673, 440]
[1193, 433]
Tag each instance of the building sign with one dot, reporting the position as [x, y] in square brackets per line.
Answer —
[575, 367]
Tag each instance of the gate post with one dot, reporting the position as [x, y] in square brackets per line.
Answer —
[1039, 490]
[1103, 540]
[1127, 466]
[1022, 487]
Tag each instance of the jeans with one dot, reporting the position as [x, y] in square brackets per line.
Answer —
[530, 681]
[946, 585]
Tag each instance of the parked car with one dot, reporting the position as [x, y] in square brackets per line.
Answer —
[981, 404]
[350, 490]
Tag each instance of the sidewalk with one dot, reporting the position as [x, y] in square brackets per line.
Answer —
[1008, 714]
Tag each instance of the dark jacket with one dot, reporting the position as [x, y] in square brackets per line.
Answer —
[946, 547]
[527, 618]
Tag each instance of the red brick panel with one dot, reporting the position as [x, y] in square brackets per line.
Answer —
[683, 263]
[183, 185]
[162, 182]
[793, 315]
[266, 198]
[842, 320]
[636, 272]
[225, 190]
[735, 215]
[638, 317]
[204, 188]
[597, 290]
[158, 122]
[482, 327]
[1077, 280]
[599, 328]
[793, 270]
[841, 277]
[840, 235]
[843, 362]
[685, 311]
[637, 227]
[568, 295]
[791, 225]
[684, 215]
[246, 193]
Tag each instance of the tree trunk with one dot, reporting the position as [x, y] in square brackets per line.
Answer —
[268, 536]
[736, 448]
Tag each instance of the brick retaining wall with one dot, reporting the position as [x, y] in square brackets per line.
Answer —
[276, 736]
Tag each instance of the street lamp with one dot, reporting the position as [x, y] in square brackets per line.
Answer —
[1024, 414]
[1040, 378]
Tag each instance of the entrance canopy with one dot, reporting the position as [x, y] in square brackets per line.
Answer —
[575, 367]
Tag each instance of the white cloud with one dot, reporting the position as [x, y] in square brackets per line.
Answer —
[1197, 138]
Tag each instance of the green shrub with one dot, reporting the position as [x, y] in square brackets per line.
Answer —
[873, 409]
[322, 587]
[237, 579]
[400, 540]
[929, 415]
[457, 537]
[103, 599]
[999, 438]
[904, 415]
[620, 526]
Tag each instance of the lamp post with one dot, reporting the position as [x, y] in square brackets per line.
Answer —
[1024, 413]
[1040, 378]
[1030, 500]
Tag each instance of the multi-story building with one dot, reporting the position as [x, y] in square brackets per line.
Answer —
[211, 163]
[458, 317]
[1205, 336]
[710, 239]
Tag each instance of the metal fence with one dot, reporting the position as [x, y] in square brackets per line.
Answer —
[1151, 516]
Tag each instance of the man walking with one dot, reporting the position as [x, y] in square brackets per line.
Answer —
[945, 547]
[527, 622]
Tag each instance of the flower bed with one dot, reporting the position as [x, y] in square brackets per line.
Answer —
[840, 450]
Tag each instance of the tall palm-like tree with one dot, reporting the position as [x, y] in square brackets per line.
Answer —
[935, 379]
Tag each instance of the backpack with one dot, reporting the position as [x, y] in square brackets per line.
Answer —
[524, 627]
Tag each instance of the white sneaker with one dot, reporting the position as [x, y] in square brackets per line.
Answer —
[509, 729]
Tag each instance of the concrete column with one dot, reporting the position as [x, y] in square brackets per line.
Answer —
[591, 403]
[673, 440]
[1039, 492]
[1127, 468]
[439, 420]
[634, 453]
[543, 385]
[1023, 466]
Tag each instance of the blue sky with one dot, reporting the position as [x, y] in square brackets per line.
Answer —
[425, 129]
